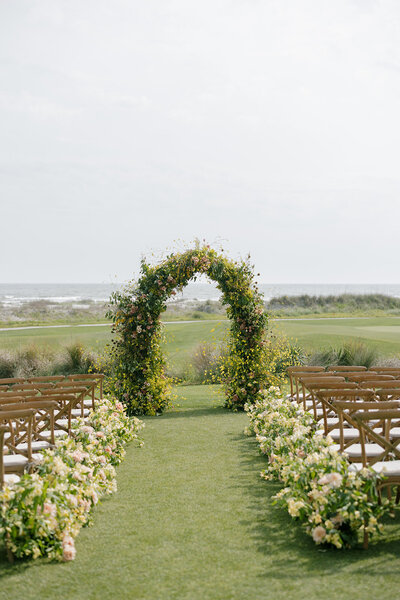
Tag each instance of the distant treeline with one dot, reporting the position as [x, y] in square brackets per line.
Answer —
[347, 303]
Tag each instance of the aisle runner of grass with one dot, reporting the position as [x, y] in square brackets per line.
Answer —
[193, 520]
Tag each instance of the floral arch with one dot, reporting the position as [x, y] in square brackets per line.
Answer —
[139, 378]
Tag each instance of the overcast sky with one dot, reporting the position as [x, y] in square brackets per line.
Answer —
[129, 126]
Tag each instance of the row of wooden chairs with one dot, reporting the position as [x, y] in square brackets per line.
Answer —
[334, 403]
[37, 410]
[360, 410]
[355, 374]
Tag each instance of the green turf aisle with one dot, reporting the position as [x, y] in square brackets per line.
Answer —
[193, 520]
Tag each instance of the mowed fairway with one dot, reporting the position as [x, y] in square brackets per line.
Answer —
[91, 337]
[382, 333]
[183, 337]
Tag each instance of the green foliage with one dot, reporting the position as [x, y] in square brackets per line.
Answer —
[139, 377]
[281, 353]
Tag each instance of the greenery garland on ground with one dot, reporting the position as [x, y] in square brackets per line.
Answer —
[139, 378]
[335, 502]
[42, 513]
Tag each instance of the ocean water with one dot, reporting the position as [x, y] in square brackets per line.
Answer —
[19, 293]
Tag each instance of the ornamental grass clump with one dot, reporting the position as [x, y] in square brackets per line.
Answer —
[42, 514]
[334, 502]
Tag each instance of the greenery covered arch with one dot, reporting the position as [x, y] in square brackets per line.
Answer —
[139, 378]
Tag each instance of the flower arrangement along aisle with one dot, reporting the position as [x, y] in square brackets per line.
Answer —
[43, 513]
[334, 502]
[139, 367]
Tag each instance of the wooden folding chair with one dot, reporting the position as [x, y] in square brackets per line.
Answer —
[3, 430]
[43, 423]
[304, 381]
[67, 403]
[98, 378]
[80, 391]
[93, 381]
[89, 384]
[387, 462]
[351, 445]
[292, 370]
[19, 424]
[317, 409]
[329, 401]
[301, 374]
[9, 477]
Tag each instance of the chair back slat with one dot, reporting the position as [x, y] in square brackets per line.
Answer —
[359, 378]
[343, 368]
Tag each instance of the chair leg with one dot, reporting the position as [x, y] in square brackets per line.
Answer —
[365, 544]
[398, 494]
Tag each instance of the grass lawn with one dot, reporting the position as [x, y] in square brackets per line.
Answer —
[380, 332]
[192, 520]
[95, 336]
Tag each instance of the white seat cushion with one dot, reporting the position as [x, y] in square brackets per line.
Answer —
[371, 450]
[64, 422]
[76, 412]
[38, 445]
[348, 433]
[15, 460]
[59, 433]
[389, 468]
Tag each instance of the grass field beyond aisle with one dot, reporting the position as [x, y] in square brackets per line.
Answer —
[182, 338]
[192, 520]
[382, 333]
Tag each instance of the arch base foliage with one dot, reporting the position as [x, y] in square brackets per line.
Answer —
[139, 378]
